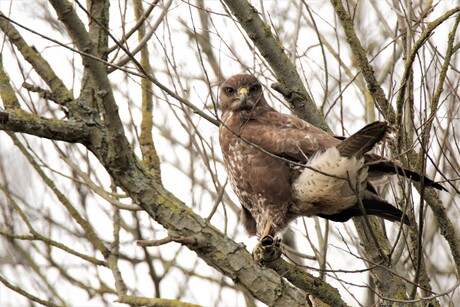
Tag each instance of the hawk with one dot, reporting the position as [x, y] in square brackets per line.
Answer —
[282, 167]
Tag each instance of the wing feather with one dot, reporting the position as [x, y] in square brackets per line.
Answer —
[286, 135]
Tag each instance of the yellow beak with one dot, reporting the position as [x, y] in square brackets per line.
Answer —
[243, 91]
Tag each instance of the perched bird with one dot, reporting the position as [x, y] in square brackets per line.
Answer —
[282, 167]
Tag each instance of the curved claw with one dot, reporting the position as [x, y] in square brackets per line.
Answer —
[268, 249]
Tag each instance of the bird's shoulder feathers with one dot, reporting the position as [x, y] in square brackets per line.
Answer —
[278, 133]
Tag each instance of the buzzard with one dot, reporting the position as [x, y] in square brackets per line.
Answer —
[282, 167]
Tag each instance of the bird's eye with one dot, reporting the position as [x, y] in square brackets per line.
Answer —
[229, 90]
[254, 88]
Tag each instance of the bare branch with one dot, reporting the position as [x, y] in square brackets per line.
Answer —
[53, 129]
[363, 63]
[41, 66]
[118, 151]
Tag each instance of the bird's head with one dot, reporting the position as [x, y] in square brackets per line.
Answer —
[241, 93]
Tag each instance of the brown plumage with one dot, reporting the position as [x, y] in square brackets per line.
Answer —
[265, 152]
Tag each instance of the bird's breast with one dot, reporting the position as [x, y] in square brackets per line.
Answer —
[255, 174]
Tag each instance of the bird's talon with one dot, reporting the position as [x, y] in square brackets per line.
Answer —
[268, 249]
[267, 241]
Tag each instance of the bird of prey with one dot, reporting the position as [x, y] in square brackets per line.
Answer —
[282, 167]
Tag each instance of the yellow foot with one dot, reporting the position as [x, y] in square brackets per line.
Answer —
[268, 249]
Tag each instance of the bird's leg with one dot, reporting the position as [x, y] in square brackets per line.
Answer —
[268, 248]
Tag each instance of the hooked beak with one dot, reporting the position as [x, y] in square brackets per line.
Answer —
[243, 95]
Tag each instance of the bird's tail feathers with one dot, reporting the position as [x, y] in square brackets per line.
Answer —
[374, 206]
[385, 210]
[364, 140]
[392, 168]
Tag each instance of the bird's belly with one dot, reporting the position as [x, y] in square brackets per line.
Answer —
[329, 184]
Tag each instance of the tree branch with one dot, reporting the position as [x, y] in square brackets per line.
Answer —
[118, 151]
[430, 27]
[312, 285]
[60, 130]
[152, 302]
[444, 223]
[26, 294]
[149, 152]
[210, 244]
[388, 284]
[10, 101]
[361, 58]
[40, 65]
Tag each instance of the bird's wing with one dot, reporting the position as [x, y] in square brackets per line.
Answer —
[287, 136]
[290, 137]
